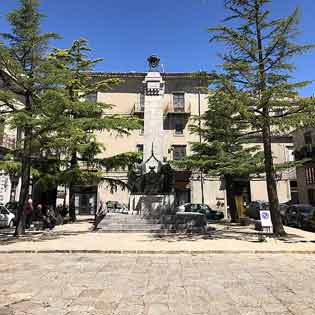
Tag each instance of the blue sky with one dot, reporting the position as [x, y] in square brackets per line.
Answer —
[125, 32]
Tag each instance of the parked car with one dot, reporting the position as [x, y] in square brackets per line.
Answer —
[283, 211]
[203, 209]
[13, 207]
[255, 207]
[301, 216]
[181, 208]
[116, 207]
[6, 217]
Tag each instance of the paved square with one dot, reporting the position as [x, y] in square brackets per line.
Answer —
[156, 285]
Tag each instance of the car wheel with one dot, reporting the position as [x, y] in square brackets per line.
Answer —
[11, 224]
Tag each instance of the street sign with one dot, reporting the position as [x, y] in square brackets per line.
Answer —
[265, 218]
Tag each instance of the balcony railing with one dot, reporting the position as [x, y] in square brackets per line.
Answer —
[138, 109]
[305, 152]
[183, 109]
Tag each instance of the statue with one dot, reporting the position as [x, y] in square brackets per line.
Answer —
[152, 183]
[153, 61]
[135, 178]
[167, 174]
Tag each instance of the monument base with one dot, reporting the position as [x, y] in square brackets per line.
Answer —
[152, 206]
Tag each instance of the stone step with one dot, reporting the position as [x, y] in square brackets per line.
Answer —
[128, 223]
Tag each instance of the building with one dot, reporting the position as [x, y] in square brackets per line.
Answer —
[304, 145]
[185, 97]
[9, 185]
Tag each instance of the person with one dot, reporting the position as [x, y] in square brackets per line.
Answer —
[100, 215]
[28, 211]
[49, 219]
[38, 213]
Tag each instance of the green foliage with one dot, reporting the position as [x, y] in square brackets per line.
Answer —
[256, 68]
[256, 71]
[45, 93]
[224, 135]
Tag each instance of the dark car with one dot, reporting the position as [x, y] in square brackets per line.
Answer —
[255, 207]
[204, 209]
[283, 212]
[301, 216]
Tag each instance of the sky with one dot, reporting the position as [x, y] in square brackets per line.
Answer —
[126, 32]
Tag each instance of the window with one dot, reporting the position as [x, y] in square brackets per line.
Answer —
[308, 141]
[310, 175]
[4, 211]
[141, 102]
[91, 97]
[139, 147]
[179, 128]
[278, 112]
[179, 102]
[179, 152]
[290, 154]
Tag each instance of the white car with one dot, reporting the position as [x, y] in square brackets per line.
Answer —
[181, 208]
[6, 217]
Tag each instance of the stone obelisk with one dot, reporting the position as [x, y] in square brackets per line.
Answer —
[153, 120]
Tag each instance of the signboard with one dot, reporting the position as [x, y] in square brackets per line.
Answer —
[265, 219]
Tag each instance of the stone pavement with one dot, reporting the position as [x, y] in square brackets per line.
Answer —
[222, 238]
[98, 284]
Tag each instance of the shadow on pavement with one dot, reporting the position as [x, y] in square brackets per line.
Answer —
[7, 238]
[228, 231]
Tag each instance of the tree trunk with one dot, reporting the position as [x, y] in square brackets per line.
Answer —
[230, 194]
[72, 214]
[266, 133]
[272, 184]
[25, 181]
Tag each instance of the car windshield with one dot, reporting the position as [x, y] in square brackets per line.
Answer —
[307, 210]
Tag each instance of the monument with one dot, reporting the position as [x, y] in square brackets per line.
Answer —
[152, 182]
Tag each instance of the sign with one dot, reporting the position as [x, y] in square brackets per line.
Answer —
[265, 218]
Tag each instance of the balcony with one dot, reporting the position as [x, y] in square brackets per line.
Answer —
[138, 109]
[304, 153]
[182, 109]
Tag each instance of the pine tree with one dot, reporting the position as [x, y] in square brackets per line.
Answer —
[80, 118]
[22, 56]
[257, 63]
[225, 149]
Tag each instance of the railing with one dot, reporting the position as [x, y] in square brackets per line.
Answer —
[138, 108]
[178, 109]
[305, 152]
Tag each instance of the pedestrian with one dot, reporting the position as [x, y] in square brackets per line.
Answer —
[100, 215]
[28, 212]
[38, 213]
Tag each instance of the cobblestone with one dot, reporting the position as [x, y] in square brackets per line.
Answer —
[97, 284]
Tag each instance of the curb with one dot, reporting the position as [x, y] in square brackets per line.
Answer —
[158, 252]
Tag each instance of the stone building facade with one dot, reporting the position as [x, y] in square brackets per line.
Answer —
[304, 145]
[185, 96]
[8, 139]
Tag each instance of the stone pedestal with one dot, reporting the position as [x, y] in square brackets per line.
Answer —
[152, 206]
[153, 120]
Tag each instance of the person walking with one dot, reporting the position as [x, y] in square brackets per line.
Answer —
[100, 215]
